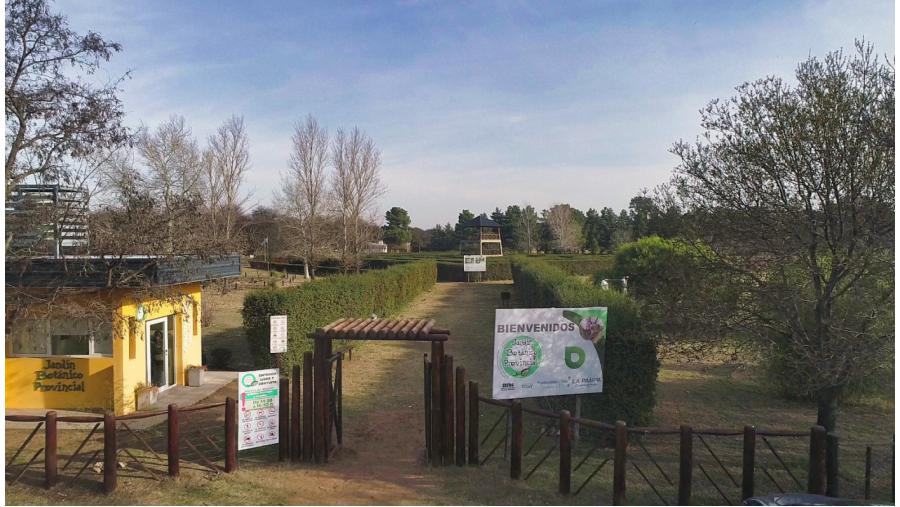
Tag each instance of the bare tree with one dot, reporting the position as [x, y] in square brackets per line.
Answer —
[52, 114]
[228, 160]
[566, 231]
[304, 193]
[172, 165]
[356, 186]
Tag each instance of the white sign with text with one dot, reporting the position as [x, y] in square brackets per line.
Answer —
[277, 334]
[474, 263]
[257, 408]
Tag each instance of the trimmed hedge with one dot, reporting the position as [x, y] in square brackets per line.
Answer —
[318, 302]
[629, 375]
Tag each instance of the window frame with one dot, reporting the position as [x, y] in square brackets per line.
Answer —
[49, 342]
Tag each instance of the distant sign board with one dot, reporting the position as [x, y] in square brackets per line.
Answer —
[257, 408]
[278, 334]
[548, 351]
[474, 263]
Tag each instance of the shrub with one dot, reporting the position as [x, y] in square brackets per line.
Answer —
[631, 364]
[220, 358]
[318, 302]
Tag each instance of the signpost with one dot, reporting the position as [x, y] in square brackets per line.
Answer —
[548, 351]
[277, 334]
[257, 408]
[474, 263]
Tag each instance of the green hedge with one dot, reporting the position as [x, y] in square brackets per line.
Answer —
[316, 303]
[629, 376]
[498, 268]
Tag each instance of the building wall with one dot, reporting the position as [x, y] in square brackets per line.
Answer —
[108, 382]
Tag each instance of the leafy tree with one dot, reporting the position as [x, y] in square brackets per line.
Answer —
[53, 115]
[792, 188]
[592, 231]
[442, 238]
[641, 212]
[607, 225]
[462, 223]
[396, 230]
[512, 230]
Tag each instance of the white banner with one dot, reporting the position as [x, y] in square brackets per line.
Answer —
[548, 351]
[474, 263]
[277, 334]
[257, 408]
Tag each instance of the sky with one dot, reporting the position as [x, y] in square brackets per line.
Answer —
[473, 104]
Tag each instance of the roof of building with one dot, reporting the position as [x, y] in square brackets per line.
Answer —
[483, 221]
[118, 272]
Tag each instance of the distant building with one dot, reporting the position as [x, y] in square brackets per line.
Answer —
[376, 247]
[483, 238]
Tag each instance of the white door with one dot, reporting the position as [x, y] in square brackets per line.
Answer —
[160, 353]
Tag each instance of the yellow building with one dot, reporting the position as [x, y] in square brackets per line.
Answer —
[93, 338]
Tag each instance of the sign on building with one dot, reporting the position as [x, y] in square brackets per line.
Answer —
[277, 334]
[257, 408]
[548, 351]
[474, 263]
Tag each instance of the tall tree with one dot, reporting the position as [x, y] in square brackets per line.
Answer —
[356, 185]
[462, 222]
[564, 228]
[792, 188]
[304, 196]
[53, 115]
[396, 229]
[226, 165]
[528, 227]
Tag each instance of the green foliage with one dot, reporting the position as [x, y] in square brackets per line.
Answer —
[316, 303]
[629, 377]
[396, 230]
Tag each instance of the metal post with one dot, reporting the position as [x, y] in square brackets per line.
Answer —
[619, 457]
[749, 462]
[172, 440]
[832, 487]
[231, 452]
[473, 423]
[109, 452]
[515, 460]
[296, 444]
[460, 416]
[284, 407]
[565, 452]
[816, 483]
[50, 446]
[685, 465]
[308, 407]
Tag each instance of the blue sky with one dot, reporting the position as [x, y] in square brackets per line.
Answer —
[473, 104]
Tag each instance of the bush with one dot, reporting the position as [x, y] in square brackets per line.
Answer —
[631, 365]
[318, 302]
[497, 269]
[583, 264]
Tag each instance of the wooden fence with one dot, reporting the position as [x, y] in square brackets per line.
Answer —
[730, 464]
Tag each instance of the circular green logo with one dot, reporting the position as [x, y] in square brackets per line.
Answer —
[521, 356]
[248, 380]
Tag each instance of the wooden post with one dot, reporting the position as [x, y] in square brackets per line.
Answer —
[832, 487]
[473, 423]
[296, 444]
[329, 398]
[109, 452]
[284, 407]
[231, 452]
[460, 416]
[321, 400]
[565, 452]
[685, 465]
[437, 360]
[619, 457]
[426, 384]
[749, 462]
[515, 460]
[50, 457]
[308, 407]
[448, 411]
[868, 490]
[817, 461]
[172, 441]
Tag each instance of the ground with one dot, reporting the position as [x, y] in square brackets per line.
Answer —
[382, 459]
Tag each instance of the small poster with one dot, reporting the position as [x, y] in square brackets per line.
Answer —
[548, 351]
[257, 408]
[474, 263]
[277, 334]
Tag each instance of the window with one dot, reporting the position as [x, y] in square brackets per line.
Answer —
[61, 337]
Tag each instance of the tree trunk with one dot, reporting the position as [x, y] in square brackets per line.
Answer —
[306, 268]
[827, 413]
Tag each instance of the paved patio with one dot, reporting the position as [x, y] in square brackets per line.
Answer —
[183, 396]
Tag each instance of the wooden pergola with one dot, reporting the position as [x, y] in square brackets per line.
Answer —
[391, 330]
